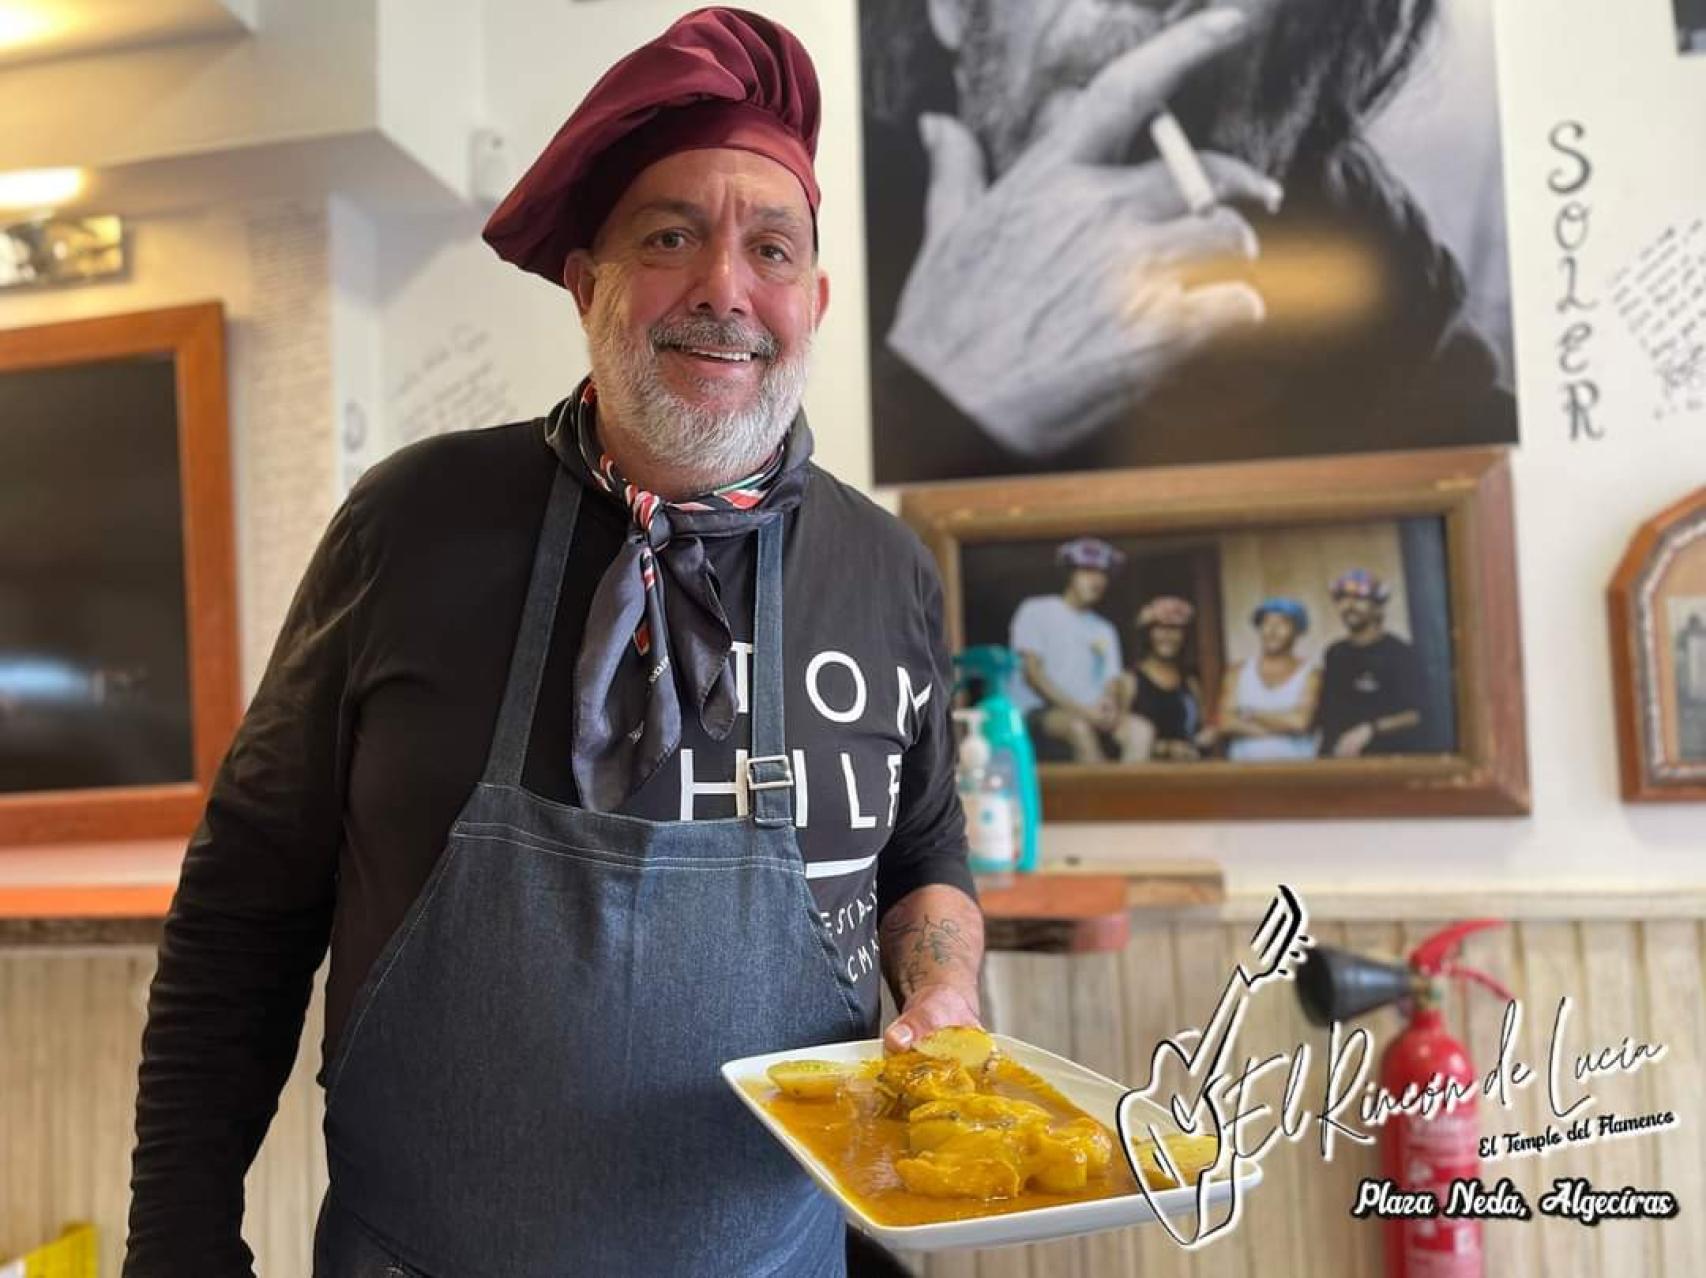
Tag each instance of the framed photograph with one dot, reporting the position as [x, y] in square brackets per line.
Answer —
[1102, 236]
[1302, 638]
[1658, 653]
[118, 614]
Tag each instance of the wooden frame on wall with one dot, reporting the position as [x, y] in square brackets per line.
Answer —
[1657, 610]
[1468, 493]
[193, 338]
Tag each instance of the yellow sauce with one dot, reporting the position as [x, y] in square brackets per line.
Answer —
[859, 1144]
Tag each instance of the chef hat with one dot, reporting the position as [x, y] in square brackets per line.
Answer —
[1360, 583]
[1089, 552]
[716, 78]
[1285, 606]
[1165, 610]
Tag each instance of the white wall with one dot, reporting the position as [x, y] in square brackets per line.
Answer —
[356, 341]
[311, 74]
[429, 81]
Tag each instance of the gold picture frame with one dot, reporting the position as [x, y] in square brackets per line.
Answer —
[186, 344]
[1467, 492]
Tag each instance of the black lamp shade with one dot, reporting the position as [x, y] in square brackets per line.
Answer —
[1334, 985]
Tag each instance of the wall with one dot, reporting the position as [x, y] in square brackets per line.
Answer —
[429, 82]
[311, 76]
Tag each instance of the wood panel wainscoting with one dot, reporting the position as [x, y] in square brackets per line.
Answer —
[71, 1020]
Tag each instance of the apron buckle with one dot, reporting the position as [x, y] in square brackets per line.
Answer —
[784, 778]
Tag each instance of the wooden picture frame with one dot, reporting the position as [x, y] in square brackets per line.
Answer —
[193, 339]
[1656, 606]
[1468, 491]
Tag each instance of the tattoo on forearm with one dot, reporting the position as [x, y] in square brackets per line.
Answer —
[928, 950]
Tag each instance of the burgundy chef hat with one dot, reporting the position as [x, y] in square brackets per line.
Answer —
[717, 78]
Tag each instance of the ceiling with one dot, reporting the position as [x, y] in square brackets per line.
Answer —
[32, 30]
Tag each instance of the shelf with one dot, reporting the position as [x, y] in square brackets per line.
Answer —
[1082, 908]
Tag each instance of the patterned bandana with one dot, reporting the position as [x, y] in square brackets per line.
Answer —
[627, 715]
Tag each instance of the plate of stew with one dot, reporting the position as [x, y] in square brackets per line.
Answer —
[973, 1140]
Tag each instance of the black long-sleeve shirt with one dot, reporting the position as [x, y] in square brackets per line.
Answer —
[373, 721]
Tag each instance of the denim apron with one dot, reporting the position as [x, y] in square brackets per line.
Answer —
[528, 1083]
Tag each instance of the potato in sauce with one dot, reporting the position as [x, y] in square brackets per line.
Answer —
[921, 1137]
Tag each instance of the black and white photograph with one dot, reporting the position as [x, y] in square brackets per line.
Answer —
[1690, 25]
[1249, 646]
[1688, 643]
[1116, 233]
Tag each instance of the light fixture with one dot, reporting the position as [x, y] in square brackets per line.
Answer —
[39, 190]
[22, 24]
[50, 251]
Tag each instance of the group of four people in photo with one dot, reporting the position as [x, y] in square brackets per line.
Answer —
[1362, 696]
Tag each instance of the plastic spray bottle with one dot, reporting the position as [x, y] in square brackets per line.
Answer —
[994, 820]
[992, 667]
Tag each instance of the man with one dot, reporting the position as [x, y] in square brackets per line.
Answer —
[1069, 656]
[1371, 681]
[1058, 300]
[593, 752]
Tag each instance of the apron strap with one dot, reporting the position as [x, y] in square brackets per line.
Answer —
[533, 639]
[769, 771]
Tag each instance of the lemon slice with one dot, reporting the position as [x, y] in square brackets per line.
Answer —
[1191, 1155]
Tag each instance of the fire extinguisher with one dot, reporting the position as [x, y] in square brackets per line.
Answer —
[1417, 1153]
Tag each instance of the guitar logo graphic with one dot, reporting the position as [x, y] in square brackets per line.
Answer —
[1196, 1060]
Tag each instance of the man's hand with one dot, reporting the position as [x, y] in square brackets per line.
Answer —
[1106, 714]
[930, 1009]
[932, 946]
[1047, 304]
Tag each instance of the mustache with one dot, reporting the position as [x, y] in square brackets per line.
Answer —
[705, 331]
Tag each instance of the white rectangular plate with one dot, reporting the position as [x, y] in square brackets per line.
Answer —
[1095, 1095]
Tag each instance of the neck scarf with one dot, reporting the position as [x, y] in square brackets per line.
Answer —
[657, 610]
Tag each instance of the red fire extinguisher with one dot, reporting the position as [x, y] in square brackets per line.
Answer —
[1417, 1154]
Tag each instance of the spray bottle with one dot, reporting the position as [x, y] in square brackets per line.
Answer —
[992, 667]
[994, 823]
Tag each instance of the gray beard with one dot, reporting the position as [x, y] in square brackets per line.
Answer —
[678, 434]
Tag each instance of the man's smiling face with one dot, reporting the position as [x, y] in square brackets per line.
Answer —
[1357, 613]
[700, 299]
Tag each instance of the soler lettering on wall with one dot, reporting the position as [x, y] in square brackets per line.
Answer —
[1570, 226]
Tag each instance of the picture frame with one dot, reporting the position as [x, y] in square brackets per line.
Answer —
[1461, 499]
[117, 516]
[1656, 606]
